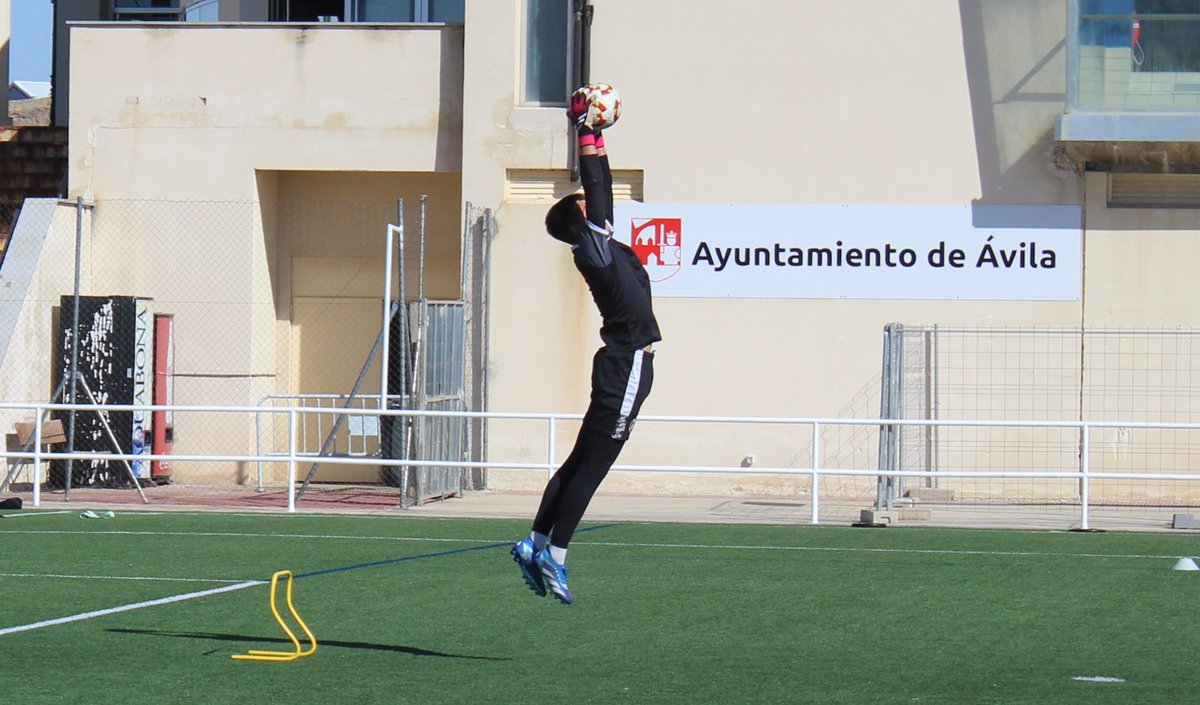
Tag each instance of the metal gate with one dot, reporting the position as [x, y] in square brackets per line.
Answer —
[1038, 374]
[428, 375]
[431, 356]
[440, 361]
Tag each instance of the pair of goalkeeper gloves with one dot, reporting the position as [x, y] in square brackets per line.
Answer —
[584, 112]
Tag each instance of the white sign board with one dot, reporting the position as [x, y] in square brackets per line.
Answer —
[1017, 253]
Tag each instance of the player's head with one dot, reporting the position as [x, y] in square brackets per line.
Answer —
[565, 220]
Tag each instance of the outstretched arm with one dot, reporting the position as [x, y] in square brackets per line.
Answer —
[606, 175]
[593, 247]
[596, 178]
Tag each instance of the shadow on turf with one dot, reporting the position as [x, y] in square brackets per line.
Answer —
[279, 640]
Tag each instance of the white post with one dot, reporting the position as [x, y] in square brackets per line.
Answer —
[550, 450]
[37, 460]
[1085, 485]
[291, 481]
[392, 231]
[816, 468]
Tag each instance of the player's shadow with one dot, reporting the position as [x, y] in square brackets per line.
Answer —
[324, 642]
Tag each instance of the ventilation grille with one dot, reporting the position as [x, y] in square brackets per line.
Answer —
[549, 185]
[1154, 190]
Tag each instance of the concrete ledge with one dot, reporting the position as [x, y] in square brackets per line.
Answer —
[876, 516]
[930, 494]
[891, 516]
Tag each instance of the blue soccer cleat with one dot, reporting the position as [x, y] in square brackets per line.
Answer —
[554, 576]
[524, 555]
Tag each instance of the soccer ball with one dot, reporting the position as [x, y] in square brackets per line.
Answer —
[605, 101]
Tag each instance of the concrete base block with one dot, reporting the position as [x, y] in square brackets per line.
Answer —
[930, 494]
[1184, 521]
[875, 516]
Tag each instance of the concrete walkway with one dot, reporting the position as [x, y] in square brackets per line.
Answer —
[724, 509]
[781, 510]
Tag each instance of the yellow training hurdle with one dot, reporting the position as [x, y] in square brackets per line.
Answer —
[254, 655]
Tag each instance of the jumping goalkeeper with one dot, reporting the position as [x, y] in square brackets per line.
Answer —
[622, 370]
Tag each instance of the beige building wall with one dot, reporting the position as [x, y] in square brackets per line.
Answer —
[201, 133]
[253, 204]
[844, 103]
[793, 103]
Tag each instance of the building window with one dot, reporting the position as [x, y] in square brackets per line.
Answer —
[145, 4]
[383, 11]
[1136, 55]
[448, 11]
[202, 11]
[146, 10]
[419, 11]
[546, 51]
[415, 11]
[1166, 39]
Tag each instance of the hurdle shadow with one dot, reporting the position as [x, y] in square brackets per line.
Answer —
[395, 648]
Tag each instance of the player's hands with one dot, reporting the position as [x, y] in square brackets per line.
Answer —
[577, 106]
[583, 111]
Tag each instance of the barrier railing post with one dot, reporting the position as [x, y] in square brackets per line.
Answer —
[550, 449]
[816, 472]
[258, 439]
[291, 480]
[37, 461]
[1085, 484]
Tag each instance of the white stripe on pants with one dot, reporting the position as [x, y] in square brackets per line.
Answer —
[631, 386]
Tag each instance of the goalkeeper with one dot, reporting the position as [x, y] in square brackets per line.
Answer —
[622, 370]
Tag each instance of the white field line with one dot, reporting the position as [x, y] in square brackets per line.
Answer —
[129, 608]
[119, 577]
[34, 514]
[253, 583]
[239, 535]
[616, 544]
[842, 549]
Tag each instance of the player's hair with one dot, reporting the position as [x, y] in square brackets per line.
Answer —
[564, 220]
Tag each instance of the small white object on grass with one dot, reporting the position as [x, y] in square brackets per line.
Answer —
[1186, 564]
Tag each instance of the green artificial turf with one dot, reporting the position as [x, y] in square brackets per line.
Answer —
[412, 610]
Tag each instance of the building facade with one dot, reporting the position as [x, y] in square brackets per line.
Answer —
[774, 134]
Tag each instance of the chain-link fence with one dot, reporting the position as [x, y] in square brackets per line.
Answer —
[8, 217]
[1055, 375]
[280, 305]
[266, 304]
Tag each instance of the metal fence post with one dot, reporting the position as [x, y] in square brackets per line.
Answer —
[258, 439]
[291, 479]
[1085, 471]
[74, 371]
[386, 326]
[37, 467]
[888, 406]
[550, 450]
[37, 455]
[816, 466]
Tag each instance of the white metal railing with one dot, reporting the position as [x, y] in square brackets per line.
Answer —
[294, 455]
[360, 428]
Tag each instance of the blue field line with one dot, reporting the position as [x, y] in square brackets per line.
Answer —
[439, 554]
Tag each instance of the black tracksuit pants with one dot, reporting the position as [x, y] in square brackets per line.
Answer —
[621, 381]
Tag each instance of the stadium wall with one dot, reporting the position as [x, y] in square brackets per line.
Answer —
[846, 104]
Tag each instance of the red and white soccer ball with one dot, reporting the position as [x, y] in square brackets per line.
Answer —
[606, 101]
